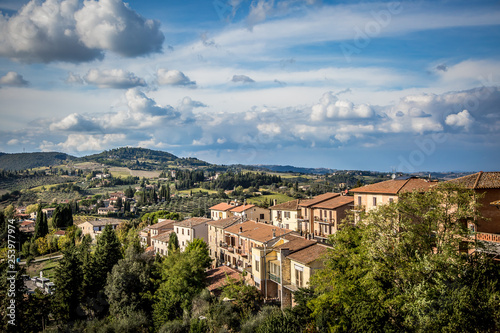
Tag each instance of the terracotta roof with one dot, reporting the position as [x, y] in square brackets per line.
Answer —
[194, 221]
[309, 254]
[289, 205]
[163, 237]
[224, 223]
[396, 186]
[335, 202]
[60, 232]
[25, 223]
[479, 180]
[296, 244]
[242, 208]
[260, 232]
[216, 278]
[163, 224]
[223, 206]
[317, 199]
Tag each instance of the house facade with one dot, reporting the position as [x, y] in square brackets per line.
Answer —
[221, 210]
[251, 212]
[216, 237]
[95, 228]
[160, 243]
[188, 230]
[286, 215]
[156, 229]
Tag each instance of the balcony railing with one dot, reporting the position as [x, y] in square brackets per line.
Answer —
[275, 278]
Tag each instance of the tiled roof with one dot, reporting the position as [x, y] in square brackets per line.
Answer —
[296, 244]
[289, 205]
[260, 232]
[216, 278]
[479, 180]
[163, 237]
[25, 223]
[194, 221]
[223, 206]
[335, 202]
[396, 186]
[60, 232]
[163, 224]
[317, 199]
[224, 223]
[309, 254]
[242, 208]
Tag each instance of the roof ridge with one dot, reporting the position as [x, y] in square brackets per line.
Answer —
[400, 188]
[480, 173]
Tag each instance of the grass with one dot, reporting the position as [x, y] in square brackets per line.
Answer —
[196, 190]
[48, 267]
[119, 172]
[47, 187]
[280, 198]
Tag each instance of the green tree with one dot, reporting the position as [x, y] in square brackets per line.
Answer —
[183, 277]
[62, 217]
[173, 243]
[41, 226]
[96, 268]
[400, 269]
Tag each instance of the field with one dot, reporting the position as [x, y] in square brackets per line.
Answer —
[146, 174]
[119, 172]
[48, 268]
[280, 198]
[195, 190]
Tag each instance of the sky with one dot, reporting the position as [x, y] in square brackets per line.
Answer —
[364, 85]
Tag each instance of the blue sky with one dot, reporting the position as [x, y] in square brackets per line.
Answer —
[411, 85]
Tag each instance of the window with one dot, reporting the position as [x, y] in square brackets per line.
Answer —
[187, 232]
[261, 216]
[374, 201]
[299, 276]
[177, 230]
[182, 231]
[391, 200]
[359, 201]
[287, 215]
[257, 265]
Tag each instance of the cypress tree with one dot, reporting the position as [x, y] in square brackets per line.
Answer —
[41, 226]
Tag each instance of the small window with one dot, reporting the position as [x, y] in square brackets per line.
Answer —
[261, 216]
[359, 201]
[391, 200]
[374, 201]
[182, 231]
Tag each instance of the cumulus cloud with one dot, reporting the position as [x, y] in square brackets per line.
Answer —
[75, 122]
[113, 78]
[173, 78]
[461, 119]
[13, 79]
[242, 78]
[87, 142]
[67, 30]
[331, 107]
[187, 105]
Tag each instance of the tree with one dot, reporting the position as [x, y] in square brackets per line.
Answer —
[96, 268]
[400, 269]
[173, 243]
[41, 226]
[62, 217]
[183, 277]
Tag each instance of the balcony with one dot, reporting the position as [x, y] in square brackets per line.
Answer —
[230, 249]
[275, 278]
[223, 245]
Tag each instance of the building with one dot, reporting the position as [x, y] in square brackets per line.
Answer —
[217, 278]
[95, 228]
[222, 210]
[286, 215]
[156, 229]
[216, 236]
[27, 226]
[188, 230]
[106, 210]
[487, 186]
[49, 212]
[285, 265]
[251, 212]
[160, 242]
[371, 196]
[239, 240]
[322, 215]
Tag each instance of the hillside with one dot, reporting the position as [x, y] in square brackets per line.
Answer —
[22, 161]
[141, 158]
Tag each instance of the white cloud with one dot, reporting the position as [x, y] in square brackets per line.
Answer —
[75, 123]
[13, 142]
[74, 79]
[330, 107]
[242, 78]
[173, 77]
[113, 78]
[64, 30]
[13, 79]
[461, 119]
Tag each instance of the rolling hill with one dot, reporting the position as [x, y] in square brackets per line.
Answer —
[22, 161]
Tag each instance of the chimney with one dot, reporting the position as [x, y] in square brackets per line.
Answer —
[241, 230]
[274, 233]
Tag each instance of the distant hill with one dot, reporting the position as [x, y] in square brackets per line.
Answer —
[289, 168]
[22, 161]
[141, 158]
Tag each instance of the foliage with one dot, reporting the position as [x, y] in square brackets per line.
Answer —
[183, 277]
[400, 270]
[246, 298]
[62, 217]
[173, 243]
[41, 225]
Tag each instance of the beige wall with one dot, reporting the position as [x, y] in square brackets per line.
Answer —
[367, 200]
[219, 215]
[285, 222]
